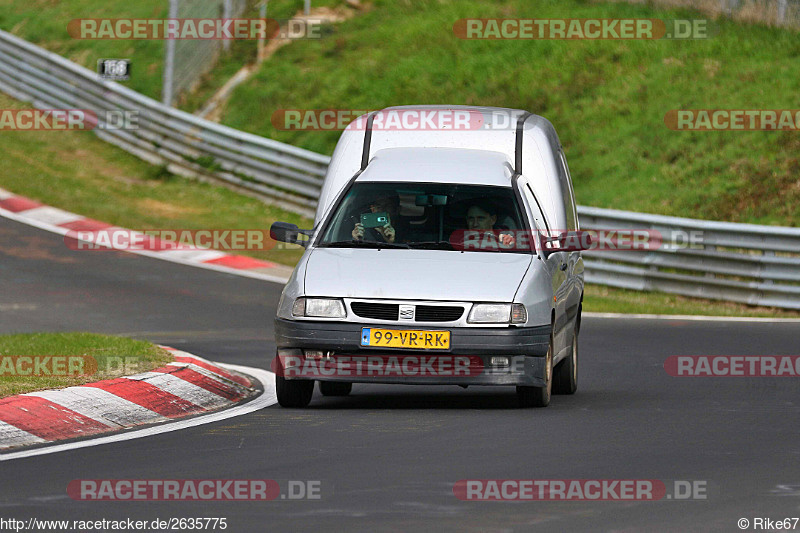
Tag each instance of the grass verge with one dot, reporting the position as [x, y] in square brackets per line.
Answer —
[44, 23]
[607, 98]
[601, 299]
[76, 171]
[104, 357]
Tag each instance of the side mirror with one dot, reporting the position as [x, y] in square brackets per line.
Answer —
[286, 232]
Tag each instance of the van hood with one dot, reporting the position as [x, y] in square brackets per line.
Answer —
[414, 274]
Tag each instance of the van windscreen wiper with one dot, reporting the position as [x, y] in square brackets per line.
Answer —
[433, 245]
[363, 244]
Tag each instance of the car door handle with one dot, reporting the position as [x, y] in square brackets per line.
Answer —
[563, 266]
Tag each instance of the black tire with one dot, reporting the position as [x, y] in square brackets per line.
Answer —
[335, 388]
[565, 375]
[294, 392]
[538, 396]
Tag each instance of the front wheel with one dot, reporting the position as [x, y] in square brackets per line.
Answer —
[294, 392]
[539, 396]
[565, 375]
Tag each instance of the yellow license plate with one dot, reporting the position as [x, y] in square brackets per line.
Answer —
[405, 338]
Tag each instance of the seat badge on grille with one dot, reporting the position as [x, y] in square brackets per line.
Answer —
[407, 312]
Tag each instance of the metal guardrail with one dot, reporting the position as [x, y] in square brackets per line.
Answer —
[187, 145]
[746, 263]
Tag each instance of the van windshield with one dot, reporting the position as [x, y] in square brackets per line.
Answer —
[427, 216]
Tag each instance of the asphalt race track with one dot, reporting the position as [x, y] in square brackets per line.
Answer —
[387, 457]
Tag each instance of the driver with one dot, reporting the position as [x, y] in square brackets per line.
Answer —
[482, 216]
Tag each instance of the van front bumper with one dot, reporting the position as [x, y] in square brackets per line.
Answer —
[524, 349]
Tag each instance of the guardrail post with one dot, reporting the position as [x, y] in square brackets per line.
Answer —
[307, 9]
[782, 4]
[169, 60]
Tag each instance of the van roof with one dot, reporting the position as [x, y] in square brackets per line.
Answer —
[439, 165]
[528, 141]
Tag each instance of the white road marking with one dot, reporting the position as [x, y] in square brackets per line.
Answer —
[266, 399]
[52, 215]
[195, 256]
[182, 389]
[690, 317]
[16, 437]
[18, 307]
[20, 217]
[101, 405]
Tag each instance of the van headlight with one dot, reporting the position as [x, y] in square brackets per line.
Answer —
[497, 314]
[319, 308]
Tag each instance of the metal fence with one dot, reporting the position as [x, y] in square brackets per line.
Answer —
[774, 12]
[748, 263]
[187, 145]
[735, 262]
[186, 60]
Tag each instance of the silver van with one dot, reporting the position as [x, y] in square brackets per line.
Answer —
[437, 257]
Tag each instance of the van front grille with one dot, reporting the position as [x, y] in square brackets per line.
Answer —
[424, 313]
[438, 313]
[376, 311]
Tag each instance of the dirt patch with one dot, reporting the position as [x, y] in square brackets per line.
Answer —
[36, 249]
[167, 210]
[214, 108]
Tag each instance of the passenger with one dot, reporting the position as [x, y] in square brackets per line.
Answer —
[387, 232]
[482, 216]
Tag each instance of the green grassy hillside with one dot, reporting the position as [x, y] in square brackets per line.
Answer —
[607, 99]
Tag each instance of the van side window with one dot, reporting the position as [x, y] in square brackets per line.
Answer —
[569, 196]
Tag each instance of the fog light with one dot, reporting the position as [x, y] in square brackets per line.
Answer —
[313, 354]
[499, 361]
